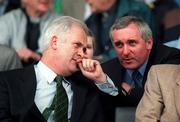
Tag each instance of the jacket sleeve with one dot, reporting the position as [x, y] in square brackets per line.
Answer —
[151, 104]
[4, 102]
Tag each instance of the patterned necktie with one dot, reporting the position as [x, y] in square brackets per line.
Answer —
[137, 78]
[59, 104]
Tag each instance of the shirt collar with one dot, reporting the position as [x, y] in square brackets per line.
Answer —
[140, 69]
[47, 72]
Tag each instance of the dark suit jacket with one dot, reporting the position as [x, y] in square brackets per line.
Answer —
[17, 92]
[160, 54]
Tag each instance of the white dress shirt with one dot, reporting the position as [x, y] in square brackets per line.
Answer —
[46, 89]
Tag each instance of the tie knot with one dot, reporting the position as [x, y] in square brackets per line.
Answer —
[136, 75]
[137, 78]
[58, 79]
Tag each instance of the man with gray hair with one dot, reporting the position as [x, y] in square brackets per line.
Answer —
[54, 90]
[133, 43]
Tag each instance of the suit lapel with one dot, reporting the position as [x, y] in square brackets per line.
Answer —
[114, 70]
[29, 79]
[177, 94]
[79, 96]
[35, 111]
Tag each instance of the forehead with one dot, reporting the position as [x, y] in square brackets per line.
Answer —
[77, 33]
[131, 31]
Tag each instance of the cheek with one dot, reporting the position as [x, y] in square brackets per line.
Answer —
[141, 55]
[89, 53]
[118, 51]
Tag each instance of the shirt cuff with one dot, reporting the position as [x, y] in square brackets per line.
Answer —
[108, 87]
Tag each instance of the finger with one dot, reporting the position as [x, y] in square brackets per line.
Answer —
[88, 64]
[92, 65]
[36, 56]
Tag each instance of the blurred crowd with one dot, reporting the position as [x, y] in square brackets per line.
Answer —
[127, 37]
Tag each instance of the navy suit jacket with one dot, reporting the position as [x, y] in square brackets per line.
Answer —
[17, 93]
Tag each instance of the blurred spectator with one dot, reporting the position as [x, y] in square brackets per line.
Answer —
[8, 59]
[162, 8]
[57, 6]
[172, 28]
[150, 3]
[21, 28]
[89, 53]
[105, 12]
[91, 44]
[8, 5]
[74, 8]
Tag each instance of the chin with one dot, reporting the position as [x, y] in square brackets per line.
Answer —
[44, 8]
[74, 69]
[130, 66]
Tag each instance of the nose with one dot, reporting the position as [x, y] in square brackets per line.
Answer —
[125, 50]
[82, 52]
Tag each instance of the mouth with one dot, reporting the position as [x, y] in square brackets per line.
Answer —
[77, 58]
[127, 60]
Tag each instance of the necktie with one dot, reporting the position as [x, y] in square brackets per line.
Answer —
[137, 78]
[59, 104]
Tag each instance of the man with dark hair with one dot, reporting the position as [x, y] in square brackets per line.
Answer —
[104, 14]
[133, 43]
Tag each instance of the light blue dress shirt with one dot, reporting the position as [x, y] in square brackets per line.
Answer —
[46, 89]
[128, 74]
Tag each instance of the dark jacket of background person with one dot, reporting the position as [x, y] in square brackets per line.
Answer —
[122, 8]
[12, 4]
[8, 5]
[162, 7]
[8, 59]
[160, 54]
[86, 103]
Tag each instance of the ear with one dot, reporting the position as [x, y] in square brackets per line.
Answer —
[53, 42]
[149, 44]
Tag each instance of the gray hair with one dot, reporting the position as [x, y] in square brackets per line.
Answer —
[123, 22]
[59, 27]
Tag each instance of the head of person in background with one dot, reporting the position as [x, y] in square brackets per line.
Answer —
[37, 13]
[35, 8]
[132, 41]
[98, 6]
[90, 45]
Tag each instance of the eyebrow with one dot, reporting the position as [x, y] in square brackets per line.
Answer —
[117, 42]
